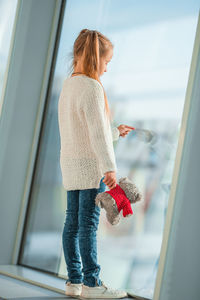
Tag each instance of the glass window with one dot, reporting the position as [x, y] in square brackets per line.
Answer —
[8, 9]
[145, 85]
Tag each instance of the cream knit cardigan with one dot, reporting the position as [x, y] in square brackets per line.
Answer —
[86, 136]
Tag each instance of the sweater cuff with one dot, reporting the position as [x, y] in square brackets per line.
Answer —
[105, 170]
[115, 133]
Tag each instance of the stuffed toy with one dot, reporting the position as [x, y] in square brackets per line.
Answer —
[119, 198]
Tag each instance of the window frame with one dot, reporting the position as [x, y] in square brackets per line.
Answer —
[30, 90]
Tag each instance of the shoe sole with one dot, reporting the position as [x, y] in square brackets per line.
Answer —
[83, 298]
[126, 297]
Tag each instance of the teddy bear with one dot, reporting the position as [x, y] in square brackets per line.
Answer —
[119, 198]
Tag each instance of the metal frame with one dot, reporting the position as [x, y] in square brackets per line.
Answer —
[26, 86]
[179, 263]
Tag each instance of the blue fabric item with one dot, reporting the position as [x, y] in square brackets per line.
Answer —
[79, 236]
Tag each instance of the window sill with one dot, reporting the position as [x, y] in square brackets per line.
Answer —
[38, 278]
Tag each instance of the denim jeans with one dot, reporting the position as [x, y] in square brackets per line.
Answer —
[79, 236]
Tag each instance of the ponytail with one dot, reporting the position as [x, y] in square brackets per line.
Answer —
[91, 45]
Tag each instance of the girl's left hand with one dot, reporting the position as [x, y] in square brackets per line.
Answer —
[124, 129]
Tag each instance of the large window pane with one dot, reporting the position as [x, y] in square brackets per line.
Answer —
[145, 84]
[7, 9]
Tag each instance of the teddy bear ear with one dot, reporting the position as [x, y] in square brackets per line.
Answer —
[122, 179]
[98, 201]
[101, 203]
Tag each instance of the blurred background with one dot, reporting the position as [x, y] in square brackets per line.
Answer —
[145, 84]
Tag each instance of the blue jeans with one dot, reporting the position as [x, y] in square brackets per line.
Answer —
[79, 236]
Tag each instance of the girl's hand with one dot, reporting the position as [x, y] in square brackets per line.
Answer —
[110, 179]
[124, 129]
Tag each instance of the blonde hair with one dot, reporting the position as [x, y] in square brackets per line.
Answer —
[91, 45]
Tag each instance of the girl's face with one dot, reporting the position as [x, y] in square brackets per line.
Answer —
[104, 61]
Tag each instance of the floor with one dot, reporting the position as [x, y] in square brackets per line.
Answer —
[11, 288]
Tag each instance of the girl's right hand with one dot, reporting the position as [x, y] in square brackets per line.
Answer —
[110, 179]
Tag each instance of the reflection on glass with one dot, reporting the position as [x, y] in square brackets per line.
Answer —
[7, 9]
[145, 84]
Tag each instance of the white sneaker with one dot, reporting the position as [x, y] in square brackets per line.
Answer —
[101, 292]
[73, 289]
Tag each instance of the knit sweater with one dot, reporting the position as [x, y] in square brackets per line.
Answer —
[86, 136]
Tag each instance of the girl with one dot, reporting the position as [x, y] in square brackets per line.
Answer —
[87, 161]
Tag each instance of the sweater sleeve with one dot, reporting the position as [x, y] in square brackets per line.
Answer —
[115, 133]
[99, 132]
